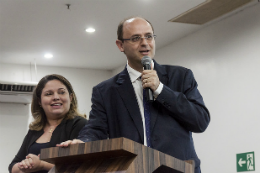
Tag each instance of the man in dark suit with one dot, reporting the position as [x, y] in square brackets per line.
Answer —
[117, 103]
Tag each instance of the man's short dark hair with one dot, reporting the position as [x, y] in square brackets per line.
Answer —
[121, 24]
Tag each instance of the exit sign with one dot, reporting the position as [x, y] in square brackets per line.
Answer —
[246, 162]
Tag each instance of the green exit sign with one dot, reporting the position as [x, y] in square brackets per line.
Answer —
[246, 162]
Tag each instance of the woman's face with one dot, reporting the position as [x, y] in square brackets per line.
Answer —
[55, 99]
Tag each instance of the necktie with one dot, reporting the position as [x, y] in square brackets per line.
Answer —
[147, 116]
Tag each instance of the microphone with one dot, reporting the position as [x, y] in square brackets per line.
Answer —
[146, 61]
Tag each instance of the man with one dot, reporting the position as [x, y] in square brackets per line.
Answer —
[117, 104]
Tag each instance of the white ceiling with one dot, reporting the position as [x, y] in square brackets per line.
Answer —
[29, 28]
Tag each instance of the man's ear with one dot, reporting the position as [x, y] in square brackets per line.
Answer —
[120, 46]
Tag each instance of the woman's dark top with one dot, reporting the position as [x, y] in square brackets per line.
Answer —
[35, 149]
[66, 130]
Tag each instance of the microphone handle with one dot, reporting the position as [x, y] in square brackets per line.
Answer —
[149, 95]
[148, 91]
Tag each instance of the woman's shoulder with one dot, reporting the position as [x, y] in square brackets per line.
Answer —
[32, 134]
[77, 120]
[80, 118]
[73, 126]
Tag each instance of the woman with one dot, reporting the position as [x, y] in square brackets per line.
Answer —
[56, 119]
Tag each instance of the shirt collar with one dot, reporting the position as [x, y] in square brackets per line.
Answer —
[134, 74]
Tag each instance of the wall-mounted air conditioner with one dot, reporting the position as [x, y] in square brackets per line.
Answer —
[16, 92]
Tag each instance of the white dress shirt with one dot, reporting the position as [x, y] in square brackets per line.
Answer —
[138, 88]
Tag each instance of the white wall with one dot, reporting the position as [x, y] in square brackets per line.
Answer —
[13, 127]
[225, 59]
[14, 118]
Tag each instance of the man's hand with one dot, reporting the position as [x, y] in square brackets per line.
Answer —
[69, 142]
[150, 79]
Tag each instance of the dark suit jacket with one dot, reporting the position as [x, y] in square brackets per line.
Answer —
[178, 111]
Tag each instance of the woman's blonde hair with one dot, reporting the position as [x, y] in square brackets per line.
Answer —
[38, 113]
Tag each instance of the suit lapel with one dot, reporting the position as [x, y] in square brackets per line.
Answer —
[163, 77]
[126, 91]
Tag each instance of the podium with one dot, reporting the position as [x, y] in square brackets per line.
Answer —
[119, 155]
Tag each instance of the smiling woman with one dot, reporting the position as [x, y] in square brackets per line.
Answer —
[56, 119]
[55, 100]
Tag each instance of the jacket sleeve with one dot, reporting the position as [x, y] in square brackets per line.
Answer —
[22, 153]
[187, 105]
[97, 127]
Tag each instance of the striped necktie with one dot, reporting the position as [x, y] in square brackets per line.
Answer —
[147, 116]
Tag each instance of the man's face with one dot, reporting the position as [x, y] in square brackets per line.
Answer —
[134, 51]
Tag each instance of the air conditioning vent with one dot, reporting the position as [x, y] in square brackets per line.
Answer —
[16, 92]
[7, 88]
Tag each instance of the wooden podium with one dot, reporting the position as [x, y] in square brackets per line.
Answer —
[119, 155]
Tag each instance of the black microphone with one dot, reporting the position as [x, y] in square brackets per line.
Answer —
[146, 61]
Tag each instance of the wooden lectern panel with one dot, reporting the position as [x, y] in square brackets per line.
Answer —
[119, 155]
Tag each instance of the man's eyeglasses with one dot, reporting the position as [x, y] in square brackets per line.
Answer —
[136, 38]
